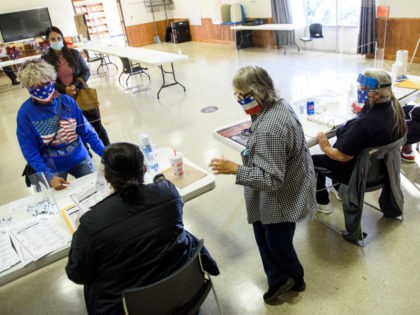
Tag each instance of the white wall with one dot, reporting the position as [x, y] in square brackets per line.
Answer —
[135, 13]
[341, 39]
[253, 8]
[403, 8]
[112, 17]
[61, 12]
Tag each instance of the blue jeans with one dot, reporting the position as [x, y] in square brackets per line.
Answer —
[83, 168]
[275, 243]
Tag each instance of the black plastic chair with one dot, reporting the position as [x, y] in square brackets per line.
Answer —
[105, 61]
[131, 69]
[315, 32]
[182, 292]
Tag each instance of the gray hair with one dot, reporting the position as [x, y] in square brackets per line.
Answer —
[36, 73]
[256, 80]
[384, 78]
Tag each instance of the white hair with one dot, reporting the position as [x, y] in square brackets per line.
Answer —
[386, 93]
[36, 73]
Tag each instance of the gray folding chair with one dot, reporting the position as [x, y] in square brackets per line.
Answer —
[375, 168]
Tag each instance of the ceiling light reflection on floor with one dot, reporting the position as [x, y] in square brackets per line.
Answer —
[249, 295]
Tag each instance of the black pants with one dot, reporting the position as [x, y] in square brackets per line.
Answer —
[94, 117]
[339, 172]
[8, 70]
[275, 243]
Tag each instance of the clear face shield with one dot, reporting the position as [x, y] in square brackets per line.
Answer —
[367, 84]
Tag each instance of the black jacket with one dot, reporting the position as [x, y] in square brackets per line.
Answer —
[118, 246]
[80, 69]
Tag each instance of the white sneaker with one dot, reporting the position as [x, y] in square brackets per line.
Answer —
[326, 209]
[335, 192]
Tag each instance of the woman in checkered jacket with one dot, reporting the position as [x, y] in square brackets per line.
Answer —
[278, 178]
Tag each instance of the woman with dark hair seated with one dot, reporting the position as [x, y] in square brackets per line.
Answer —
[132, 238]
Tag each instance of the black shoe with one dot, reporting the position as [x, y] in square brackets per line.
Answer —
[358, 242]
[275, 291]
[15, 82]
[299, 287]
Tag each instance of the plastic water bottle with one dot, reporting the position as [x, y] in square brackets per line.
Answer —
[149, 155]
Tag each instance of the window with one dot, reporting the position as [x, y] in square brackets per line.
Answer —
[333, 12]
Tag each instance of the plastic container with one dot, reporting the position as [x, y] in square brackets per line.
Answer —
[146, 147]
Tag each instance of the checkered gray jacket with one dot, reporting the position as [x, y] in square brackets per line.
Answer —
[277, 172]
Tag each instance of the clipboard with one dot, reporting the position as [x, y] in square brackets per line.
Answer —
[70, 215]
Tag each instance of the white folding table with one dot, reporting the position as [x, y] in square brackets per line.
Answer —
[270, 27]
[143, 55]
[198, 187]
[235, 135]
[18, 61]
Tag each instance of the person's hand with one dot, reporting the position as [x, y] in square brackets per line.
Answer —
[77, 222]
[70, 90]
[222, 166]
[322, 141]
[59, 183]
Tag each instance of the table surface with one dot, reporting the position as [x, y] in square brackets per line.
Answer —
[63, 200]
[268, 27]
[144, 55]
[17, 61]
[327, 103]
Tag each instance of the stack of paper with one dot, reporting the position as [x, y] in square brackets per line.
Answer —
[8, 257]
[37, 238]
[89, 196]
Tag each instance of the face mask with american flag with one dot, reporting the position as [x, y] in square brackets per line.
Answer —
[42, 93]
[250, 105]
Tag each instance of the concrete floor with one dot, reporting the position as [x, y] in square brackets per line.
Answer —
[381, 278]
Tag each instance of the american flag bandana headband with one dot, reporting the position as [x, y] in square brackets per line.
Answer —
[250, 105]
[43, 93]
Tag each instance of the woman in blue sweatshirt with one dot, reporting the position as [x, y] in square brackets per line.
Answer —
[51, 128]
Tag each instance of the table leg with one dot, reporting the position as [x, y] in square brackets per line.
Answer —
[164, 84]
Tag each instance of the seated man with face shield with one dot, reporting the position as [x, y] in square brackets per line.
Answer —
[380, 122]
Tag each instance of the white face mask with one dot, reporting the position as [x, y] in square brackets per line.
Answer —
[57, 45]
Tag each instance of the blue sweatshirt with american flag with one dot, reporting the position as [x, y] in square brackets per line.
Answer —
[50, 144]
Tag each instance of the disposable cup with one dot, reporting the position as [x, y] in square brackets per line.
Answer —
[177, 164]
